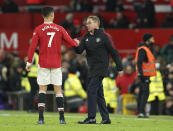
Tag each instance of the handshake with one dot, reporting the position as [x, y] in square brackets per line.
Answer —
[77, 41]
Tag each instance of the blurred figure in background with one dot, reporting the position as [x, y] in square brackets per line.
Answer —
[78, 6]
[167, 51]
[111, 5]
[32, 77]
[3, 71]
[9, 6]
[156, 99]
[83, 6]
[114, 5]
[169, 92]
[123, 83]
[3, 80]
[168, 21]
[129, 60]
[134, 89]
[119, 6]
[65, 66]
[82, 70]
[120, 21]
[156, 50]
[145, 13]
[68, 22]
[70, 7]
[149, 11]
[76, 30]
[73, 91]
[110, 90]
[16, 78]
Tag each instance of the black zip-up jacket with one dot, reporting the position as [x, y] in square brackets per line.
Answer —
[142, 57]
[98, 47]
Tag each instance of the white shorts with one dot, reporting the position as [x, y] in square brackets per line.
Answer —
[47, 76]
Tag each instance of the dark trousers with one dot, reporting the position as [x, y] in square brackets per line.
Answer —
[96, 96]
[157, 107]
[33, 92]
[143, 95]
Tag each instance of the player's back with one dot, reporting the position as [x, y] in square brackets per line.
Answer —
[50, 38]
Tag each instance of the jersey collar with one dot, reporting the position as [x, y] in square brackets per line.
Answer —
[48, 22]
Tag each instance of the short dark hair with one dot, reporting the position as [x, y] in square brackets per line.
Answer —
[147, 36]
[46, 11]
[94, 18]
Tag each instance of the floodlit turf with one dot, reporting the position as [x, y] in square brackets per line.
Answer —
[23, 121]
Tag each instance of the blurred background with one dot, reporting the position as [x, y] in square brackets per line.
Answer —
[125, 20]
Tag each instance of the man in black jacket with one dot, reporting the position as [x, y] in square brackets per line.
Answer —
[98, 46]
[144, 79]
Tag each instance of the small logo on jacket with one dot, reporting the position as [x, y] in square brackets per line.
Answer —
[86, 39]
[98, 40]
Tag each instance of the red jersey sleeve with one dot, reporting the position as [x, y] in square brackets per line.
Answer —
[33, 46]
[70, 42]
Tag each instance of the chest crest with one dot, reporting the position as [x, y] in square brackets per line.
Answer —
[98, 39]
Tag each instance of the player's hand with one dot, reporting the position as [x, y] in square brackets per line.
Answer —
[76, 40]
[27, 68]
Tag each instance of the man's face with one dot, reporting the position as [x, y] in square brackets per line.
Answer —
[128, 70]
[91, 25]
[151, 40]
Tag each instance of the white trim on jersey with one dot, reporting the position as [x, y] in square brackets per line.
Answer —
[48, 22]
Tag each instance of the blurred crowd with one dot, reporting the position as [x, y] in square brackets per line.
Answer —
[145, 10]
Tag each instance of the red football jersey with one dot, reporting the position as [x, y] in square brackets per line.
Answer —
[49, 37]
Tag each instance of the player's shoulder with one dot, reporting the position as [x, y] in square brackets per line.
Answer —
[106, 35]
[60, 27]
[38, 27]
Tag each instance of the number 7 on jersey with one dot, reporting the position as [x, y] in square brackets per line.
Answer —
[52, 34]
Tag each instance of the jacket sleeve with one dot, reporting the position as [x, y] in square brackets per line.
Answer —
[109, 44]
[68, 39]
[81, 46]
[141, 57]
[33, 46]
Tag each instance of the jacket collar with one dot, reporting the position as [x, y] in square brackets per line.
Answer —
[96, 31]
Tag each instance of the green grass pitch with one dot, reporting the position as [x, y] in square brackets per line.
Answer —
[23, 121]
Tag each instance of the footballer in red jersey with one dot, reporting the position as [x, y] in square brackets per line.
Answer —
[49, 37]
